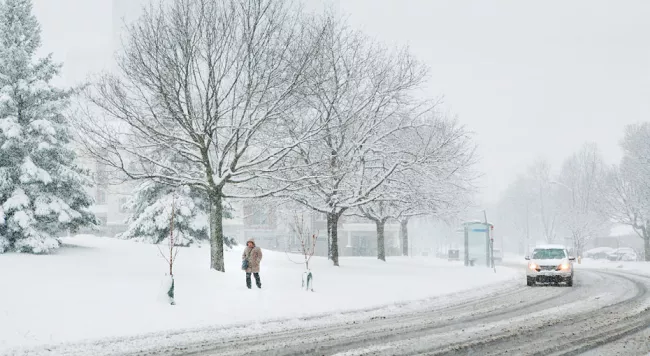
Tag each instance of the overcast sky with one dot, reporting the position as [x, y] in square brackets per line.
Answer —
[529, 78]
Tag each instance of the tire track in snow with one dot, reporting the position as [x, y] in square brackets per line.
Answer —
[402, 336]
[509, 319]
[372, 332]
[196, 338]
[566, 334]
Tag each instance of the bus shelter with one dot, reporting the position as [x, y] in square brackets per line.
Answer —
[478, 243]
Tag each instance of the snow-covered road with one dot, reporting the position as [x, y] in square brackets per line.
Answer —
[601, 309]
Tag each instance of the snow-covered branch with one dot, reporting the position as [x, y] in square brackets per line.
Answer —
[583, 181]
[202, 90]
[628, 188]
[360, 94]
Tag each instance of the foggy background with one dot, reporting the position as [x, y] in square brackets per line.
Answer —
[529, 79]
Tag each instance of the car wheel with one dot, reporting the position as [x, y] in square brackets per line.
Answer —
[530, 282]
[569, 282]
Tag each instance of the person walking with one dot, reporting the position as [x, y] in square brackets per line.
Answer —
[251, 259]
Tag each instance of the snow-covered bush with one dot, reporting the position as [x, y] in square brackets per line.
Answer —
[42, 190]
[151, 212]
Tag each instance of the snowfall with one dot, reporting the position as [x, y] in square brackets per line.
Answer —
[95, 289]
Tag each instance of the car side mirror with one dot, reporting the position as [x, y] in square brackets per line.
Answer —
[571, 258]
[527, 258]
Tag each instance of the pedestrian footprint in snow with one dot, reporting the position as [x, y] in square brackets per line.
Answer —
[251, 259]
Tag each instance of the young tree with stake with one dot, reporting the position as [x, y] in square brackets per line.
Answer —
[307, 245]
[170, 255]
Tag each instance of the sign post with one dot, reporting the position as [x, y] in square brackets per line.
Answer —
[489, 239]
[492, 247]
[466, 249]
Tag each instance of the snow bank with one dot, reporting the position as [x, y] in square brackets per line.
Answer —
[641, 267]
[99, 287]
[632, 266]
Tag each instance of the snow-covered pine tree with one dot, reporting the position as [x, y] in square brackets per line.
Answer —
[151, 211]
[41, 188]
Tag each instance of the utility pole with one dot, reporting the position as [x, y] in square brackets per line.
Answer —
[466, 244]
[490, 243]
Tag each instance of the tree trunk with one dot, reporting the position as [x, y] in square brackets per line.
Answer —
[404, 235]
[329, 236]
[578, 243]
[333, 222]
[381, 241]
[216, 236]
[213, 222]
[579, 247]
[646, 246]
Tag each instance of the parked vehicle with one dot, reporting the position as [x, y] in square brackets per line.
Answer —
[453, 255]
[598, 253]
[623, 254]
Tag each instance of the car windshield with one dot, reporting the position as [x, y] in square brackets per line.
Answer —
[549, 254]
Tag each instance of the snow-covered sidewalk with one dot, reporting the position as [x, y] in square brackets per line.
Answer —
[99, 287]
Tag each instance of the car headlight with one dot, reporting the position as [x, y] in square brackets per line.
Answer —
[564, 266]
[532, 266]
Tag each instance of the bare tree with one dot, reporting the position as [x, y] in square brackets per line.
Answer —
[545, 208]
[307, 240]
[628, 198]
[440, 185]
[529, 207]
[583, 177]
[205, 82]
[514, 213]
[360, 93]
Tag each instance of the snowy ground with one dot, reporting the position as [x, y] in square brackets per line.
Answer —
[98, 287]
[598, 315]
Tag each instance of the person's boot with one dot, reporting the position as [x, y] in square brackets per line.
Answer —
[258, 281]
[248, 280]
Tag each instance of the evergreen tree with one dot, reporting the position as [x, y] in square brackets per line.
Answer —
[42, 190]
[151, 213]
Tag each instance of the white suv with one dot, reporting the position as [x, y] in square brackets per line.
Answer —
[550, 264]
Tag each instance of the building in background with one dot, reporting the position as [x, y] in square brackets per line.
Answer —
[110, 196]
[271, 228]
